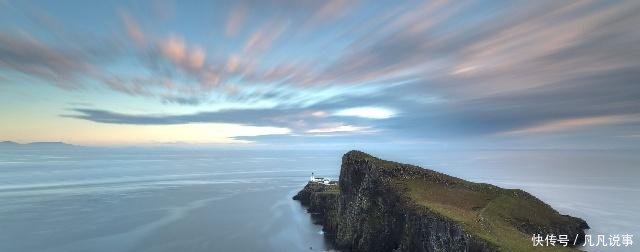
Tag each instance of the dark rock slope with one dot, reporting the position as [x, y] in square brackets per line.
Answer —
[380, 205]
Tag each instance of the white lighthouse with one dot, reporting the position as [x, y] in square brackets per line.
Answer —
[320, 180]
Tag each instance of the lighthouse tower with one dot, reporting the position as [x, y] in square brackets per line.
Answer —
[313, 178]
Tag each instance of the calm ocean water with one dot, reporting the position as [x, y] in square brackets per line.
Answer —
[117, 199]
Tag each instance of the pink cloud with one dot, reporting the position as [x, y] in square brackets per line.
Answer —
[197, 57]
[188, 58]
[575, 123]
[132, 28]
[331, 10]
[264, 38]
[235, 20]
[174, 49]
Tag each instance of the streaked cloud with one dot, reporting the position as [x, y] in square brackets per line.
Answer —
[31, 57]
[236, 19]
[367, 112]
[444, 70]
[133, 29]
[296, 120]
[319, 113]
[338, 129]
[188, 58]
[576, 124]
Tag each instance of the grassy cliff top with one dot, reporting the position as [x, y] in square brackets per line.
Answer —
[506, 218]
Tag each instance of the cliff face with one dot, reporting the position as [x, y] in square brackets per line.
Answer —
[386, 206]
[322, 203]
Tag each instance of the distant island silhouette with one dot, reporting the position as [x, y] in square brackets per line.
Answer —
[35, 144]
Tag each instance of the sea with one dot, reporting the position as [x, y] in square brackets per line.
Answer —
[212, 199]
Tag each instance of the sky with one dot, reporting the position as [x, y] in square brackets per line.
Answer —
[433, 74]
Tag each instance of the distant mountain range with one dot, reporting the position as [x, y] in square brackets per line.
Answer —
[34, 144]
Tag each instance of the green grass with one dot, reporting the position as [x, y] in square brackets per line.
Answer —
[485, 211]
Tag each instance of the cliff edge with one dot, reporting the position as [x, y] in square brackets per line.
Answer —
[381, 205]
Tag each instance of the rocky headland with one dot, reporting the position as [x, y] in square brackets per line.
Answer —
[380, 205]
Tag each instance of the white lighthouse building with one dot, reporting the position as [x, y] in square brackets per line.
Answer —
[320, 180]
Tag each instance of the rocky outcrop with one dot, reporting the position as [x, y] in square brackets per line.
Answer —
[376, 207]
[322, 203]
